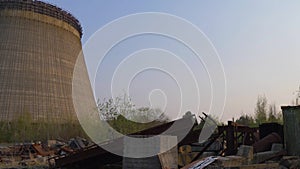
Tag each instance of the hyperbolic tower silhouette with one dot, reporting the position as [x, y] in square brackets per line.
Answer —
[39, 46]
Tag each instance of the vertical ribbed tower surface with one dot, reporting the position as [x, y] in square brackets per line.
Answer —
[39, 46]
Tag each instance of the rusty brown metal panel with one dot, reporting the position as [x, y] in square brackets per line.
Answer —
[265, 143]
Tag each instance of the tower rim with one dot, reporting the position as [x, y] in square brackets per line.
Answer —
[44, 9]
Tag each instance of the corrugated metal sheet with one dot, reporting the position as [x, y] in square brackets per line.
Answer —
[291, 119]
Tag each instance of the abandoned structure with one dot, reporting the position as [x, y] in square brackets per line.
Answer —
[39, 46]
[291, 119]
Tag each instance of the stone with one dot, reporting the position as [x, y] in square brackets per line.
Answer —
[246, 151]
[144, 148]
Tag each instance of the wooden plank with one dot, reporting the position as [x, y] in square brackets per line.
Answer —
[169, 159]
[261, 166]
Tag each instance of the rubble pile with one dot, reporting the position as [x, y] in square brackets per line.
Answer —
[238, 162]
[38, 155]
[246, 158]
[231, 146]
[236, 150]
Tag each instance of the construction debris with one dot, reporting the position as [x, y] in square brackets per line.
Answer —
[200, 164]
[36, 155]
[230, 147]
[265, 143]
[291, 162]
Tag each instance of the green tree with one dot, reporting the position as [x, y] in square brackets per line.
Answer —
[272, 113]
[246, 119]
[263, 113]
[126, 118]
[261, 110]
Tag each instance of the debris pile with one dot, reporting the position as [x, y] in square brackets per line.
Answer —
[238, 162]
[37, 155]
[240, 147]
[231, 146]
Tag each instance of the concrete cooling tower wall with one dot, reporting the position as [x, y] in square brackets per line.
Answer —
[39, 46]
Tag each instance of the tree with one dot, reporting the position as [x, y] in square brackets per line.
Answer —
[246, 120]
[110, 109]
[272, 113]
[126, 118]
[263, 113]
[261, 110]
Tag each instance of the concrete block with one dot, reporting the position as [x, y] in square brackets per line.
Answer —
[277, 147]
[246, 151]
[144, 148]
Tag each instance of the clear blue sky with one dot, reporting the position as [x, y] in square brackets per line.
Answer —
[257, 41]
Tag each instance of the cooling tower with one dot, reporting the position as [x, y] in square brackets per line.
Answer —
[39, 46]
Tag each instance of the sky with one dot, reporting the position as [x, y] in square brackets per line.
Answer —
[257, 42]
